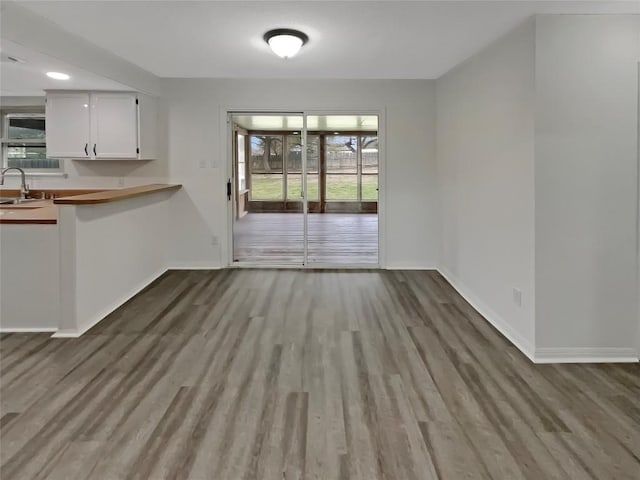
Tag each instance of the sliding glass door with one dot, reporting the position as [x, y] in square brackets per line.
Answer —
[268, 218]
[305, 189]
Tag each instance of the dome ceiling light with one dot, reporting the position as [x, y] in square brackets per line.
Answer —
[285, 42]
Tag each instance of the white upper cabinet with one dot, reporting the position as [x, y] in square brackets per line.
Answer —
[67, 124]
[100, 125]
[114, 125]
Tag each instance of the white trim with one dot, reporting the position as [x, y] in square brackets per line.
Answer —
[311, 266]
[540, 355]
[402, 265]
[586, 355]
[492, 317]
[98, 317]
[197, 265]
[638, 217]
[303, 178]
[27, 330]
[66, 334]
[226, 131]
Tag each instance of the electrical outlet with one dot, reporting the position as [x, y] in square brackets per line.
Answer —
[214, 240]
[202, 164]
[517, 296]
[121, 181]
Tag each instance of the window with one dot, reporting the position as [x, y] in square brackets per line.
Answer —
[342, 167]
[369, 170]
[242, 180]
[294, 167]
[313, 165]
[24, 142]
[352, 167]
[266, 167]
[350, 161]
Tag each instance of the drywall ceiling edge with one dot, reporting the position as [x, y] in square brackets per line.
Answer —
[25, 28]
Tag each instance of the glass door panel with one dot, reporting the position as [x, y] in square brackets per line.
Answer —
[294, 166]
[271, 231]
[343, 229]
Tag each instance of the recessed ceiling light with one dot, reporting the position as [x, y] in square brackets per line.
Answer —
[58, 75]
[5, 58]
[285, 42]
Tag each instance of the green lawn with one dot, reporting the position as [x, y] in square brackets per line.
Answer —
[265, 187]
[370, 187]
[294, 187]
[339, 187]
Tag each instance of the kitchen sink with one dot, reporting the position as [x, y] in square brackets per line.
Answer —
[17, 201]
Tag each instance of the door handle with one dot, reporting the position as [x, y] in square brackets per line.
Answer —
[229, 189]
[86, 149]
[94, 149]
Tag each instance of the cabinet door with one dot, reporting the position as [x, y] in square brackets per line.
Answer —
[114, 125]
[67, 125]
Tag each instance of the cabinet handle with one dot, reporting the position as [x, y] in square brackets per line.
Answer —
[94, 149]
[86, 149]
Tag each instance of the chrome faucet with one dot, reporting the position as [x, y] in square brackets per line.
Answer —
[24, 188]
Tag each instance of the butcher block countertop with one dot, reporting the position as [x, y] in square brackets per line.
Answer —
[46, 212]
[108, 196]
[41, 212]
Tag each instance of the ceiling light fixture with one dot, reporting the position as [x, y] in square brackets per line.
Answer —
[6, 58]
[58, 75]
[285, 42]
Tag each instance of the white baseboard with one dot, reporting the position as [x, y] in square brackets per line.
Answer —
[28, 330]
[492, 317]
[194, 266]
[66, 334]
[409, 266]
[586, 355]
[540, 355]
[198, 265]
[95, 319]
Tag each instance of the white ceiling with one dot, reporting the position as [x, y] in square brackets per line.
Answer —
[348, 39]
[27, 77]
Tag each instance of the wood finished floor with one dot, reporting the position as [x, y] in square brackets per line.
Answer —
[290, 374]
[334, 238]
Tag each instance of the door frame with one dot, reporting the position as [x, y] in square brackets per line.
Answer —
[638, 218]
[226, 133]
[236, 132]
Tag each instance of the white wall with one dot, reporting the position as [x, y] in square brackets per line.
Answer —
[29, 270]
[586, 184]
[485, 146]
[108, 253]
[197, 151]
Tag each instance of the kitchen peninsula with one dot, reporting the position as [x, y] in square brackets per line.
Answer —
[68, 262]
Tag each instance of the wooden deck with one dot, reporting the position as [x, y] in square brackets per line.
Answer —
[334, 238]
